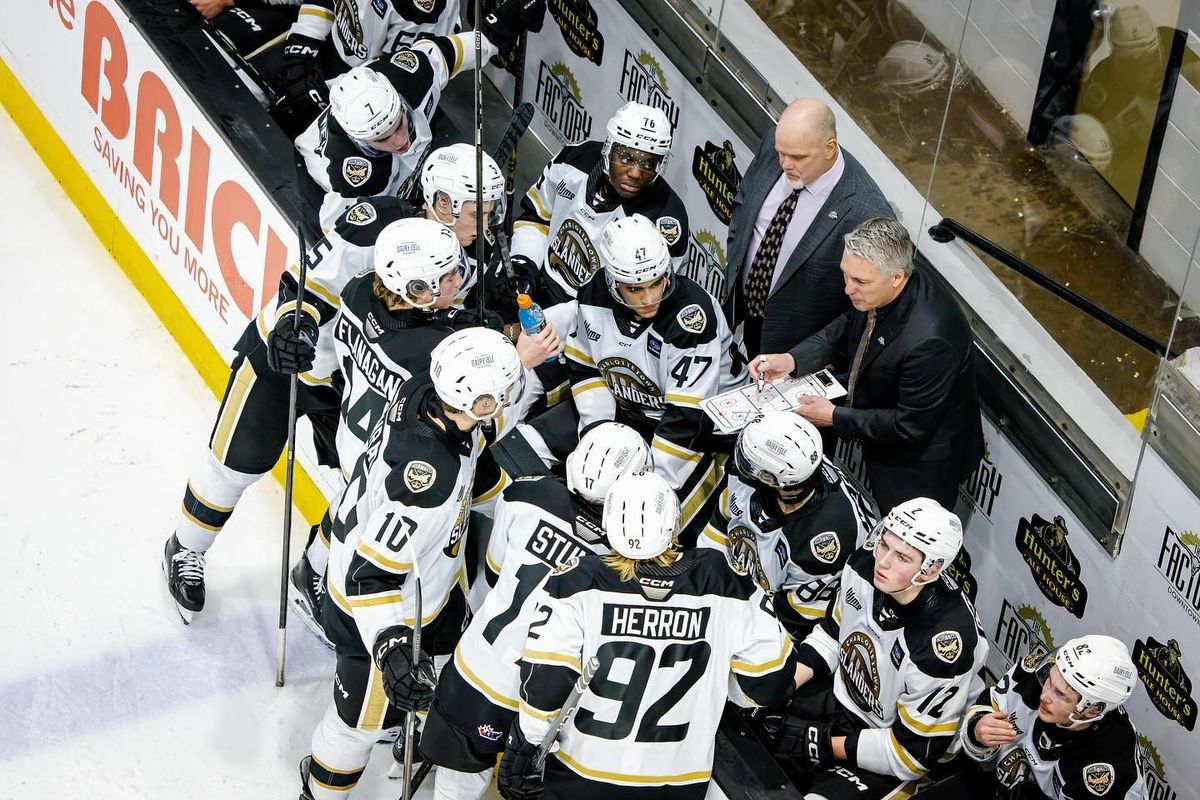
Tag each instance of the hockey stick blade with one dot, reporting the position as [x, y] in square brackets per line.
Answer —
[518, 123]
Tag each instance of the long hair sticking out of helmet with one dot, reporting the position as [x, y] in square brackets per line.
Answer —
[641, 520]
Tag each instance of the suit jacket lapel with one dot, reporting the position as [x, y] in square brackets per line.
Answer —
[838, 205]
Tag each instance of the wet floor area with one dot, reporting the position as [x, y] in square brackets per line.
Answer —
[1046, 204]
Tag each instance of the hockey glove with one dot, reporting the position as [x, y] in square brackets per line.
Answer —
[291, 351]
[517, 779]
[504, 26]
[459, 318]
[806, 742]
[525, 275]
[408, 686]
[300, 81]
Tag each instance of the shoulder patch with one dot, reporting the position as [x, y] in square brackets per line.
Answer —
[362, 214]
[670, 229]
[405, 60]
[1099, 777]
[356, 170]
[826, 547]
[566, 566]
[947, 646]
[1030, 662]
[692, 318]
[419, 476]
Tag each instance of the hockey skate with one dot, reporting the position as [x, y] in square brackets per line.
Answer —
[305, 768]
[184, 571]
[397, 769]
[307, 592]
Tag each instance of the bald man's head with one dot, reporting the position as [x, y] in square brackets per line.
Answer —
[806, 141]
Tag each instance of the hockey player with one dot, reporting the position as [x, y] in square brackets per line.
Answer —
[648, 346]
[906, 646]
[584, 188]
[540, 524]
[789, 517]
[669, 629]
[375, 133]
[399, 530]
[1053, 727]
[251, 426]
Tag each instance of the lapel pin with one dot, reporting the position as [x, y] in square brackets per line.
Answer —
[833, 215]
[881, 340]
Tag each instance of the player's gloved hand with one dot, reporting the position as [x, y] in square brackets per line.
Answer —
[806, 742]
[517, 779]
[459, 318]
[301, 77]
[291, 351]
[525, 275]
[407, 685]
[506, 24]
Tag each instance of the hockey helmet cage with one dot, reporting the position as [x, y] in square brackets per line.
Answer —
[366, 105]
[476, 371]
[451, 171]
[632, 251]
[413, 255]
[639, 127]
[922, 523]
[1098, 668]
[606, 452]
[641, 515]
[779, 449]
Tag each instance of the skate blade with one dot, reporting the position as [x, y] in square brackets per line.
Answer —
[185, 615]
[306, 616]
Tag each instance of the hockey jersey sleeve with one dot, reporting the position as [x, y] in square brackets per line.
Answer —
[765, 664]
[551, 662]
[593, 399]
[315, 19]
[714, 532]
[497, 546]
[819, 650]
[531, 230]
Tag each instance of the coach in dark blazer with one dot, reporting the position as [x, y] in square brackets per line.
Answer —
[912, 399]
[806, 286]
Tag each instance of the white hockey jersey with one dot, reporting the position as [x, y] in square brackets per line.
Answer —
[366, 29]
[346, 168]
[906, 673]
[652, 375]
[403, 515]
[563, 214]
[538, 527]
[797, 557]
[667, 644]
[1099, 760]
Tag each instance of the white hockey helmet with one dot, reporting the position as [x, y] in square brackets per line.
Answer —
[606, 452]
[1100, 669]
[632, 251]
[911, 68]
[925, 525]
[641, 515]
[1085, 135]
[779, 449]
[640, 127]
[476, 371]
[451, 171]
[366, 105]
[413, 255]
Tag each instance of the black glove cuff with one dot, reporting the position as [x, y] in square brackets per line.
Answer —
[388, 640]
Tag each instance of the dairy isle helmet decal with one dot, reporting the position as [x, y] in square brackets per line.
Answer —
[1160, 667]
[1044, 547]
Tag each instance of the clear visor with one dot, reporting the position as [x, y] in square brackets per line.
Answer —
[487, 407]
[749, 472]
[644, 295]
[423, 293]
[625, 156]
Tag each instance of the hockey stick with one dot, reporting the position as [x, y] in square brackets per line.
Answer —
[480, 242]
[240, 61]
[585, 677]
[410, 719]
[506, 149]
[510, 174]
[293, 390]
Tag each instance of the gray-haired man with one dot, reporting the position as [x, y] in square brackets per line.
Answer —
[904, 354]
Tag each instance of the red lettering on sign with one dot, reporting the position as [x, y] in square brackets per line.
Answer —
[100, 29]
[197, 190]
[154, 103]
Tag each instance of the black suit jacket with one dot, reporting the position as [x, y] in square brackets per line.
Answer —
[916, 408]
[809, 292]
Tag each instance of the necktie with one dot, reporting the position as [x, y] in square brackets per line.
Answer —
[858, 357]
[762, 268]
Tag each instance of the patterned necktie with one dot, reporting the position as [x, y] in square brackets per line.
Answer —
[762, 268]
[852, 382]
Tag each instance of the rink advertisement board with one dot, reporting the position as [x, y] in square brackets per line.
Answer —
[195, 210]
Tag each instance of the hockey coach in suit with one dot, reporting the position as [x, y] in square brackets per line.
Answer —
[802, 193]
[904, 353]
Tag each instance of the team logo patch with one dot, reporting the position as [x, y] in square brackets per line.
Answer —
[692, 318]
[1098, 777]
[565, 566]
[947, 645]
[356, 170]
[825, 547]
[424, 5]
[406, 59]
[419, 475]
[361, 214]
[670, 229]
[488, 732]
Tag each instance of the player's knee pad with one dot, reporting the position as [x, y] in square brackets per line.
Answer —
[340, 753]
[211, 495]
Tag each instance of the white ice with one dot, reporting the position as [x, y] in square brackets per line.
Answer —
[104, 694]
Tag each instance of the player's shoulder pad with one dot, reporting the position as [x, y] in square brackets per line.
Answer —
[358, 290]
[544, 491]
[582, 156]
[1106, 760]
[941, 641]
[578, 576]
[821, 543]
[419, 10]
[862, 564]
[689, 317]
[361, 223]
[409, 70]
[421, 470]
[712, 574]
[352, 174]
[668, 213]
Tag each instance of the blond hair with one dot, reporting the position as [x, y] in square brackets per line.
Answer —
[626, 568]
[391, 300]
